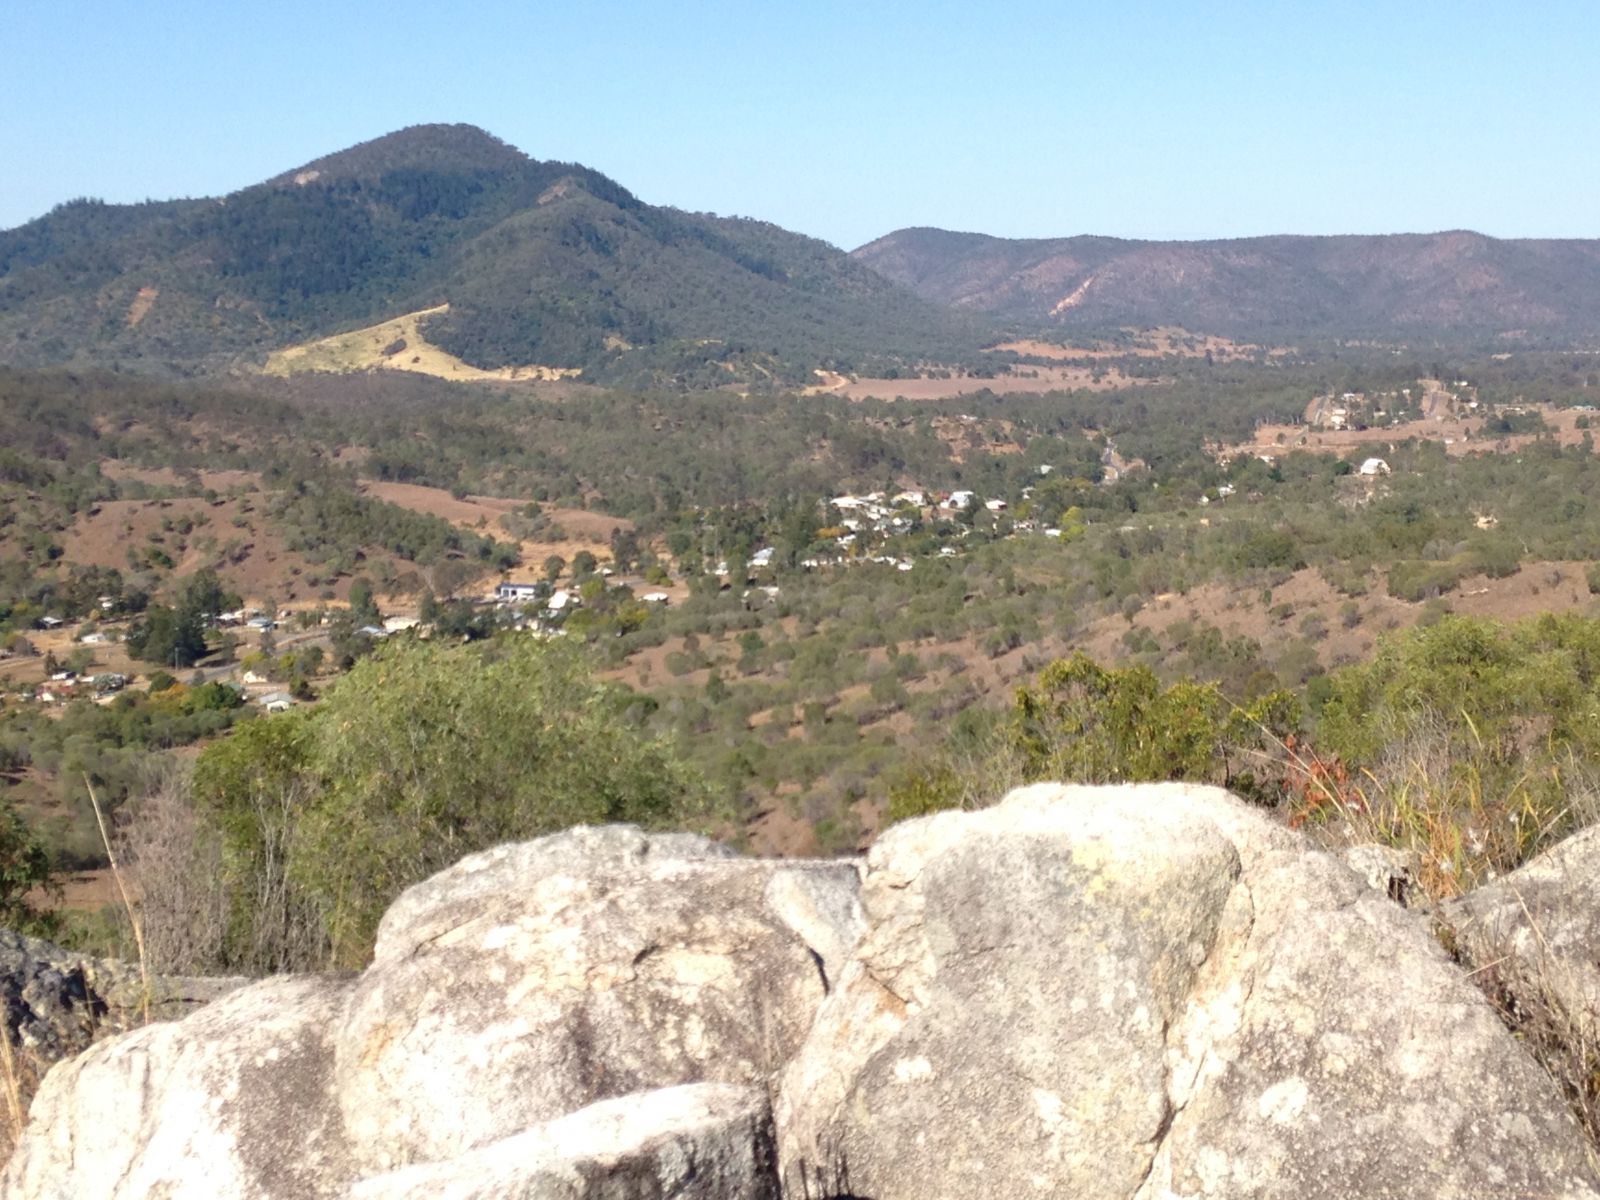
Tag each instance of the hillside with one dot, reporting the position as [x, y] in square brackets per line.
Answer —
[541, 264]
[1453, 285]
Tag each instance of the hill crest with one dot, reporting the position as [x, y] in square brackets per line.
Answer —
[1452, 283]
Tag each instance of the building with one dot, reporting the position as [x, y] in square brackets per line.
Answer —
[517, 593]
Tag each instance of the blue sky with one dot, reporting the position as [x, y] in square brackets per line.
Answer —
[846, 121]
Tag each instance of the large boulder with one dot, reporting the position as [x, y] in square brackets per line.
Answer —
[1535, 933]
[510, 999]
[531, 980]
[235, 1100]
[1155, 991]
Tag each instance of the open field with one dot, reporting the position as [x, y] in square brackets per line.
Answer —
[397, 345]
[1458, 434]
[1026, 380]
[1147, 343]
[581, 528]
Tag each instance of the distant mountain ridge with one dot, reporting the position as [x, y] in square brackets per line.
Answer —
[1455, 283]
[540, 263]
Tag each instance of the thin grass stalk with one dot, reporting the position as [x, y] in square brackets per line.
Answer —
[127, 901]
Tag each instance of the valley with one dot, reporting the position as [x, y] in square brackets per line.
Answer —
[813, 523]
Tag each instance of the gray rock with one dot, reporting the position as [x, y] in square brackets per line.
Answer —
[233, 1101]
[520, 986]
[533, 980]
[1536, 933]
[705, 1141]
[1154, 991]
[57, 1002]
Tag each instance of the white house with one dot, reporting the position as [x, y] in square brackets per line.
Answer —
[958, 500]
[276, 702]
[516, 593]
[1373, 467]
[995, 505]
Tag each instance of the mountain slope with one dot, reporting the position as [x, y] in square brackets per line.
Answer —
[539, 262]
[1451, 284]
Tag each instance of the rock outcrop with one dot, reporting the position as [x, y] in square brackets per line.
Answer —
[1152, 992]
[1536, 933]
[511, 999]
[1132, 992]
[57, 1001]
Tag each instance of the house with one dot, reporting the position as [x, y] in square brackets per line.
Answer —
[94, 639]
[762, 557]
[400, 624]
[276, 702]
[517, 593]
[911, 496]
[50, 622]
[565, 599]
[995, 505]
[655, 598]
[958, 500]
[1373, 467]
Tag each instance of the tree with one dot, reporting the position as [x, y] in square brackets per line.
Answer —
[168, 636]
[423, 753]
[553, 566]
[363, 605]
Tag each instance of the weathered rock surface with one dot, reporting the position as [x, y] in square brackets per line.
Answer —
[58, 1001]
[534, 979]
[1536, 932]
[233, 1101]
[507, 995]
[1154, 992]
[1139, 993]
[708, 1141]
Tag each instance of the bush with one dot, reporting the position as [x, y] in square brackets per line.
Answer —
[422, 754]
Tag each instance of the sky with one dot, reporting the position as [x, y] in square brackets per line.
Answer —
[849, 120]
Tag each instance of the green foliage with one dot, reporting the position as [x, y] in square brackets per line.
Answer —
[422, 754]
[1091, 724]
[24, 866]
[543, 262]
[1498, 690]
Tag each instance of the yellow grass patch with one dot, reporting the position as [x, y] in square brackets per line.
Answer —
[377, 347]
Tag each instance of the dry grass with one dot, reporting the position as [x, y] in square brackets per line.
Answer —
[1463, 821]
[374, 348]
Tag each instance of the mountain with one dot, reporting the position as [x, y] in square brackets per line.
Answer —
[538, 262]
[1453, 284]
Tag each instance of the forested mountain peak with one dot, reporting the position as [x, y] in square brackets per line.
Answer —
[435, 147]
[513, 263]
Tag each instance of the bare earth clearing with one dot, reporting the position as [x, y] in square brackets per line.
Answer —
[397, 345]
[1149, 343]
[1460, 435]
[582, 529]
